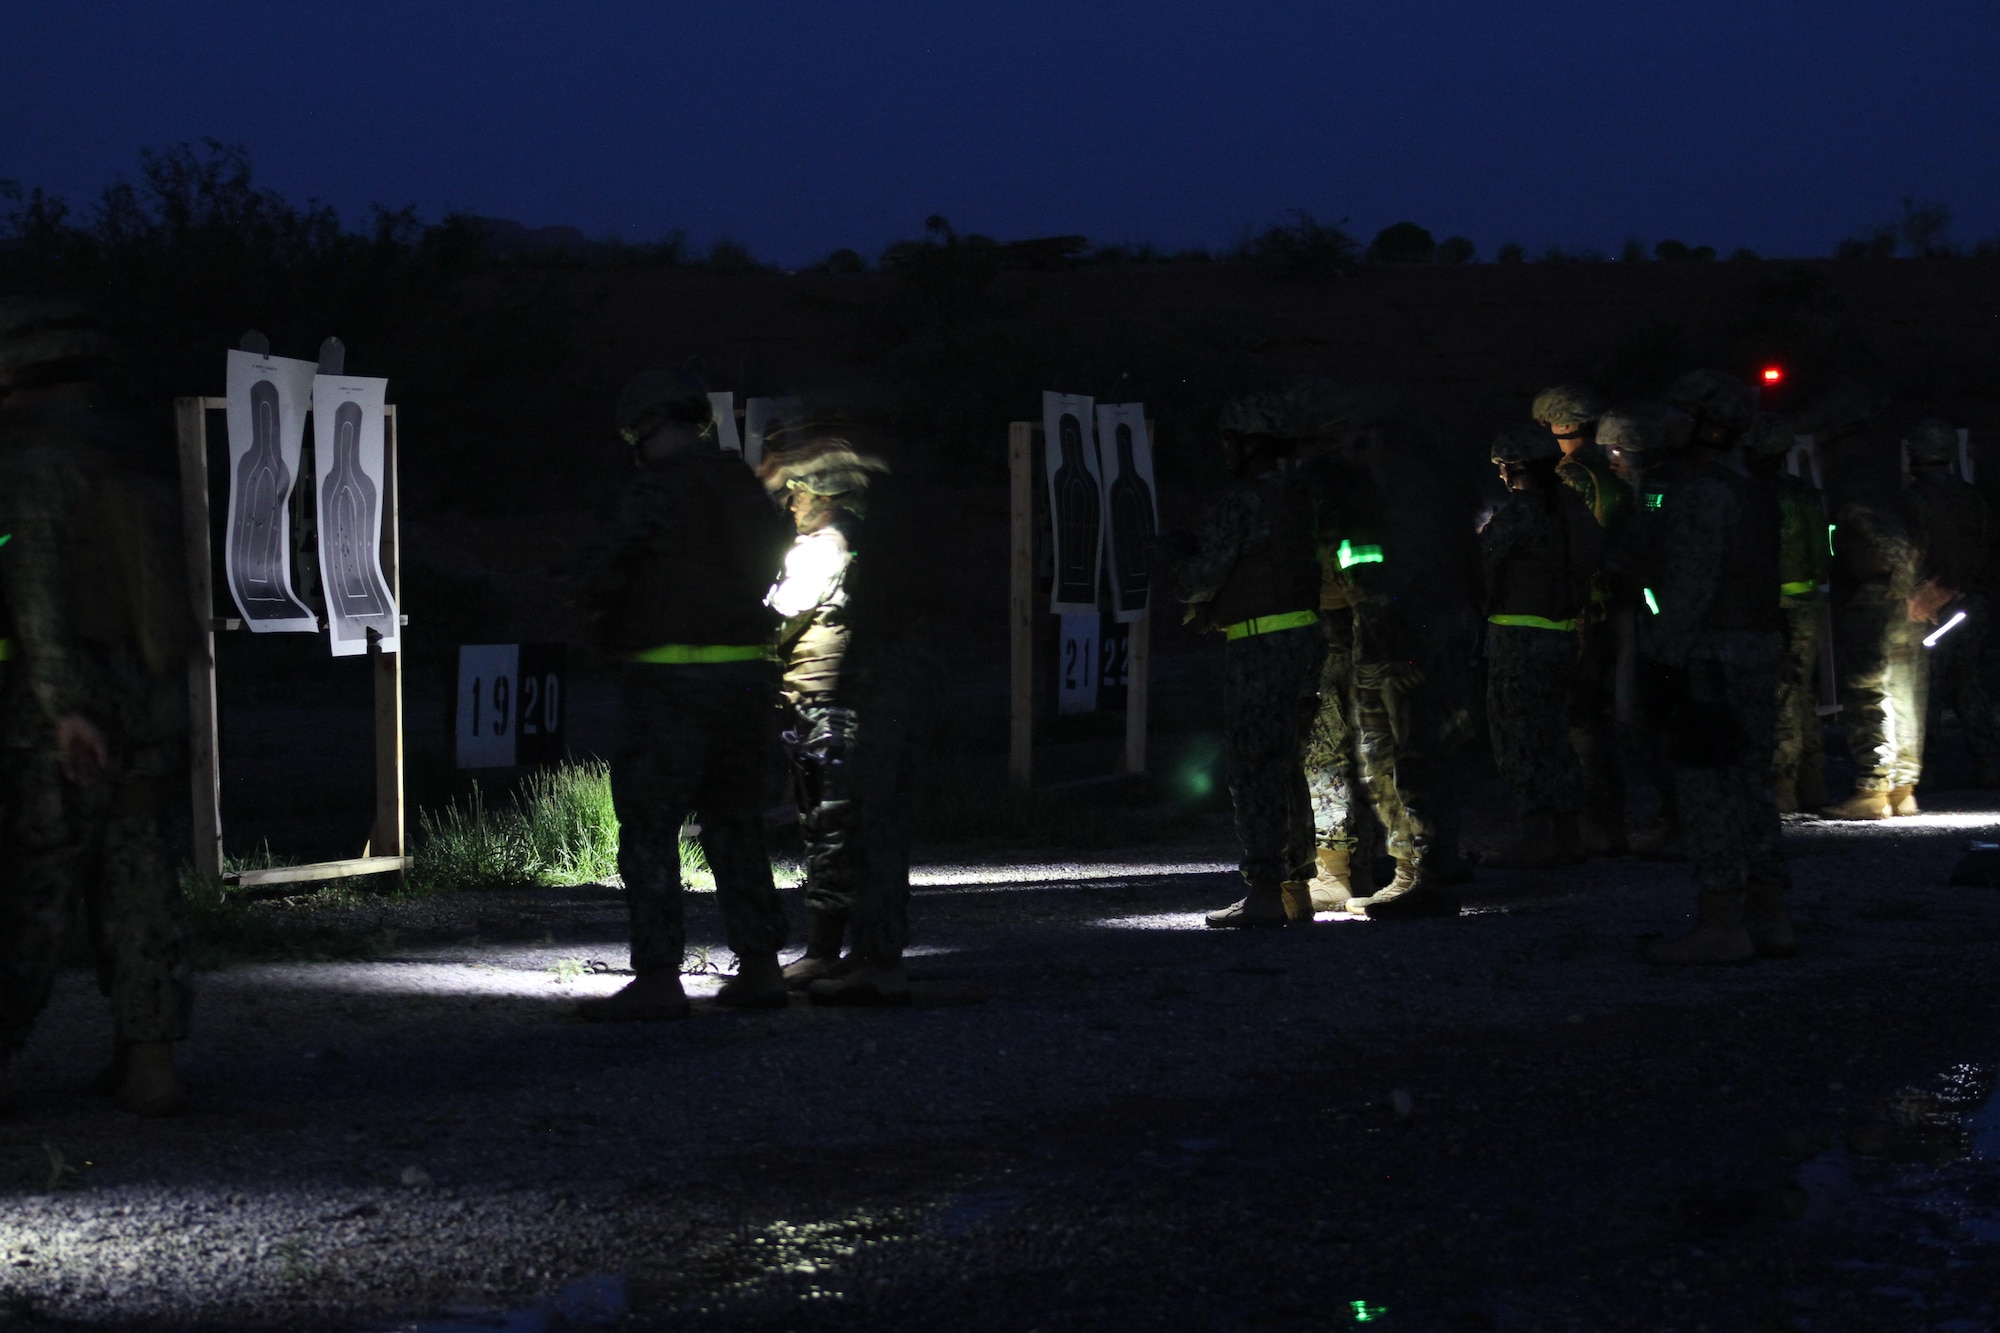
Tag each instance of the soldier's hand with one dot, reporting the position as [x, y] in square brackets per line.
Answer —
[1928, 602]
[85, 755]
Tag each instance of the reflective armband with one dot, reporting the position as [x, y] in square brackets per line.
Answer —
[1352, 555]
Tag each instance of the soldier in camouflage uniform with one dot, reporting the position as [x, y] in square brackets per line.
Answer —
[95, 621]
[1712, 657]
[1571, 412]
[677, 593]
[1541, 552]
[1251, 575]
[1798, 762]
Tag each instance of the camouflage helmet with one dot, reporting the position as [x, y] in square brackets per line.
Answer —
[1932, 441]
[1567, 405]
[1713, 399]
[820, 464]
[1525, 444]
[1769, 434]
[1643, 428]
[43, 331]
[1265, 412]
[677, 395]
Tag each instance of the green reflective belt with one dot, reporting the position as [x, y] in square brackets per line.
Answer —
[1531, 622]
[1797, 589]
[1352, 555]
[693, 654]
[1243, 629]
[6, 650]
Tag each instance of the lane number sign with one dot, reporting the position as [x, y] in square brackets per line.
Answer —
[512, 705]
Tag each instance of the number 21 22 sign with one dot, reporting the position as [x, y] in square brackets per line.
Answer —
[512, 704]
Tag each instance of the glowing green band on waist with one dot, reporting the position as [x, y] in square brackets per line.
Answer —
[1531, 622]
[1797, 589]
[696, 654]
[1352, 555]
[1243, 629]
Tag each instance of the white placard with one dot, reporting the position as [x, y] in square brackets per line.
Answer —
[763, 418]
[488, 709]
[267, 402]
[1131, 506]
[1076, 501]
[723, 406]
[1077, 664]
[348, 454]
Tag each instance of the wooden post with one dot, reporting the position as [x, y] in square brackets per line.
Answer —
[191, 424]
[387, 838]
[1020, 604]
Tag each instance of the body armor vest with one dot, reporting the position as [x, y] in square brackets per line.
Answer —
[1746, 593]
[1280, 576]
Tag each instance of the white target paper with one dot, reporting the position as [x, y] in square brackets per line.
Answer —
[723, 407]
[1131, 505]
[1076, 501]
[763, 418]
[268, 397]
[348, 451]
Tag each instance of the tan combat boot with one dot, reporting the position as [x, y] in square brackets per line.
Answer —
[825, 933]
[1262, 907]
[1533, 847]
[1903, 801]
[1412, 896]
[1719, 935]
[650, 997]
[1405, 879]
[875, 983]
[1769, 926]
[759, 983]
[151, 1087]
[1861, 805]
[1334, 884]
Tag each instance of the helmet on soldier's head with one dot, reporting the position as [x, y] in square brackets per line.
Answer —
[1713, 399]
[1567, 405]
[1524, 444]
[1266, 412]
[1932, 441]
[1769, 434]
[676, 395]
[1643, 428]
[43, 331]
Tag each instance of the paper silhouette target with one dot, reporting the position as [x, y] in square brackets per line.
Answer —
[348, 446]
[1131, 505]
[266, 411]
[1076, 501]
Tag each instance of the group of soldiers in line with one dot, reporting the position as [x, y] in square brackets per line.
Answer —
[1656, 582]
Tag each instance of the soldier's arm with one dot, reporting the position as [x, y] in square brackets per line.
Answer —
[1234, 526]
[1700, 524]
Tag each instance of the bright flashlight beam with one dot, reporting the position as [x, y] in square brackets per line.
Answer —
[1930, 640]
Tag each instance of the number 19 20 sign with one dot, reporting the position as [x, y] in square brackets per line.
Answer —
[512, 706]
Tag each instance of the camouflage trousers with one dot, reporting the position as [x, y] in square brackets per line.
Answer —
[105, 848]
[1958, 680]
[1333, 777]
[858, 771]
[1269, 690]
[1528, 694]
[694, 740]
[1728, 812]
[1886, 687]
[1396, 741]
[1593, 723]
[1797, 749]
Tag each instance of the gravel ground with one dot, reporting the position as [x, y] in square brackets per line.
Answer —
[1097, 1115]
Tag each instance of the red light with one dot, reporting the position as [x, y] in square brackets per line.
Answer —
[1772, 374]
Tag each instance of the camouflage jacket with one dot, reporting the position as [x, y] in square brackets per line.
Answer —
[1237, 540]
[1875, 554]
[1692, 565]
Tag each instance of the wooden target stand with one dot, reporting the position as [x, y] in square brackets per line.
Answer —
[1024, 475]
[383, 853]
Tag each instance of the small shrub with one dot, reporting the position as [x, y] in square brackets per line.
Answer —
[1511, 253]
[1403, 243]
[1456, 250]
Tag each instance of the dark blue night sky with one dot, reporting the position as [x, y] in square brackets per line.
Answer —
[799, 127]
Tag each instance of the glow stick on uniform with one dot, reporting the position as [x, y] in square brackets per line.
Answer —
[1652, 603]
[1930, 640]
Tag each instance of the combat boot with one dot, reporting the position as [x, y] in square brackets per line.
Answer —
[1261, 908]
[150, 1087]
[1719, 936]
[1769, 926]
[1861, 805]
[874, 983]
[1296, 895]
[826, 931]
[759, 983]
[1412, 898]
[650, 997]
[1787, 793]
[1903, 801]
[1533, 847]
[1333, 885]
[1399, 884]
[1662, 842]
